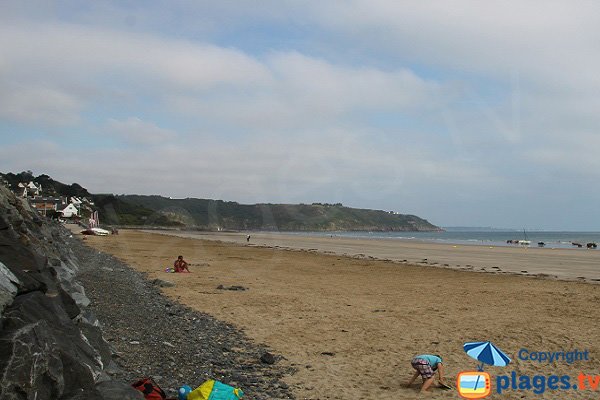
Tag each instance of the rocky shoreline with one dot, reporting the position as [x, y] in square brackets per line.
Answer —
[154, 336]
[76, 324]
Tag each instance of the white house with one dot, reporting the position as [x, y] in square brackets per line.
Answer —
[70, 211]
[76, 202]
[30, 189]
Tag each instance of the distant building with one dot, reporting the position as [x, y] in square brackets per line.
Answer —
[70, 211]
[30, 189]
[76, 202]
[45, 205]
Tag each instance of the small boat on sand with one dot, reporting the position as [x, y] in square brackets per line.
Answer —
[95, 231]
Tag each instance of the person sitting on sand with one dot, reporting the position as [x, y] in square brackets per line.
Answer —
[426, 365]
[181, 265]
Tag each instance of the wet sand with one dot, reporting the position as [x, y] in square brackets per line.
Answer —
[350, 325]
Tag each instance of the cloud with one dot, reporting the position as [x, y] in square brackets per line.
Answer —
[135, 131]
[472, 36]
[281, 90]
[307, 92]
[419, 106]
[53, 72]
[543, 55]
[38, 105]
[71, 52]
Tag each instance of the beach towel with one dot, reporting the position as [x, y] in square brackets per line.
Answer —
[215, 390]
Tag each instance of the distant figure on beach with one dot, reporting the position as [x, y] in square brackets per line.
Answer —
[180, 265]
[248, 238]
[426, 365]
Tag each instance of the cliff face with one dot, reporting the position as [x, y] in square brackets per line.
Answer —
[51, 347]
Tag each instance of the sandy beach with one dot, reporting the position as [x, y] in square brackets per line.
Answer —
[350, 324]
[566, 264]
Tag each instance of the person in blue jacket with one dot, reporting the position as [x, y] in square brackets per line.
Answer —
[426, 365]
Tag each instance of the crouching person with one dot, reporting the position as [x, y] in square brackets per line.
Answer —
[426, 365]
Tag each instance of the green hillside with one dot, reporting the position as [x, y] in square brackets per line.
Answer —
[206, 214]
[217, 214]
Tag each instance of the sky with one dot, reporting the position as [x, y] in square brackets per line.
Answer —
[465, 113]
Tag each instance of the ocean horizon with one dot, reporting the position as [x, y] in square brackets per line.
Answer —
[551, 239]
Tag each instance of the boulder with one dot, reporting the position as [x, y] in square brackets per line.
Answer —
[51, 346]
[8, 287]
[44, 352]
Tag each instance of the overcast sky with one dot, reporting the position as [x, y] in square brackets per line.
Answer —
[466, 113]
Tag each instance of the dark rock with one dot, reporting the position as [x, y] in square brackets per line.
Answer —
[69, 305]
[8, 287]
[267, 358]
[45, 351]
[26, 265]
[3, 224]
[235, 287]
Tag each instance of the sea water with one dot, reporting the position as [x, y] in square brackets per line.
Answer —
[551, 239]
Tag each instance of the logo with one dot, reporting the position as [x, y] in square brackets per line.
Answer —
[478, 385]
[473, 384]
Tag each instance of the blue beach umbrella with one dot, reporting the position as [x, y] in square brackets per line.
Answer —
[486, 353]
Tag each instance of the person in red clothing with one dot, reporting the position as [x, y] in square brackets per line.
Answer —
[180, 265]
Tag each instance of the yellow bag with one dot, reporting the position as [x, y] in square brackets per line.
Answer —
[215, 390]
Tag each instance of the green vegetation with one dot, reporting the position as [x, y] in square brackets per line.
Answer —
[217, 214]
[206, 214]
[114, 211]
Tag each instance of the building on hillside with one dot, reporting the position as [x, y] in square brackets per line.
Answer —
[70, 211]
[47, 205]
[30, 189]
[76, 202]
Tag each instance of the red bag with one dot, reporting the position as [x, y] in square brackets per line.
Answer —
[150, 389]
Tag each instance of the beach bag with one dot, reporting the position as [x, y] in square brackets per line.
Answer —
[150, 389]
[215, 390]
